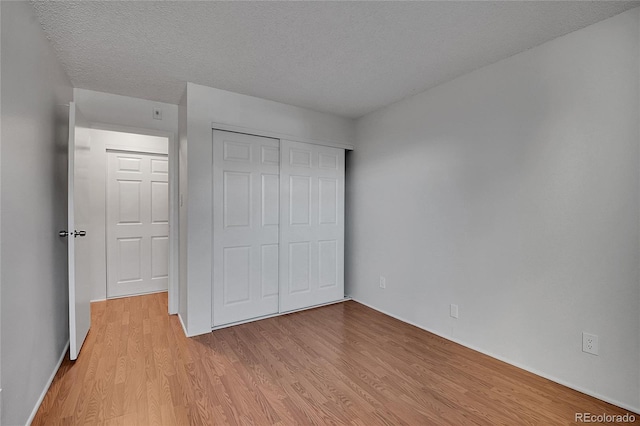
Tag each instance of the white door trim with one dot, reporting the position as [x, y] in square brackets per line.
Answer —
[277, 135]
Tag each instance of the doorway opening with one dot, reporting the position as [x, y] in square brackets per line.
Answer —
[131, 213]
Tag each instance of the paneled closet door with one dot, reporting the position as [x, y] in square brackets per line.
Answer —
[245, 226]
[311, 225]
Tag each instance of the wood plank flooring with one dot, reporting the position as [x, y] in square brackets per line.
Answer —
[340, 364]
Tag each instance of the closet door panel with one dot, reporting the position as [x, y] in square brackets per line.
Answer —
[246, 204]
[311, 225]
[300, 201]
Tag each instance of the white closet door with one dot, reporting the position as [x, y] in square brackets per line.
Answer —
[137, 223]
[245, 226]
[311, 225]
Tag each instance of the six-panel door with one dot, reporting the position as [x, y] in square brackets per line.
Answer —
[79, 217]
[245, 226]
[137, 223]
[312, 225]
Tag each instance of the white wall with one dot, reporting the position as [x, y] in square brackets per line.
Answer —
[35, 328]
[513, 192]
[126, 114]
[101, 140]
[204, 106]
[0, 217]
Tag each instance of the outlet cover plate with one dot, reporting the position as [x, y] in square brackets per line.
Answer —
[590, 343]
[383, 282]
[453, 311]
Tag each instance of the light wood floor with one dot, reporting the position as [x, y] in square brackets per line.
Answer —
[340, 364]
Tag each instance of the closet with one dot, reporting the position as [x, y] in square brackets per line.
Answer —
[278, 226]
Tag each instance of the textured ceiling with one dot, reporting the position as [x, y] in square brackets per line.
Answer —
[346, 58]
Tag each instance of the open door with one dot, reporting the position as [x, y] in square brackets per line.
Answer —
[79, 214]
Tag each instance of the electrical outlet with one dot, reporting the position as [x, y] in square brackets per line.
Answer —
[383, 282]
[590, 343]
[453, 310]
[157, 114]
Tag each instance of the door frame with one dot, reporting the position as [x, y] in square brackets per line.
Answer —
[174, 228]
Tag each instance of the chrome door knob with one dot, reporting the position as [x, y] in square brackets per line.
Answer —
[63, 233]
[79, 233]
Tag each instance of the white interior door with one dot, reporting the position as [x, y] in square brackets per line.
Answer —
[311, 225]
[78, 222]
[137, 223]
[245, 226]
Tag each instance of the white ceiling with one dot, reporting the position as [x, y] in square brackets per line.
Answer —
[346, 58]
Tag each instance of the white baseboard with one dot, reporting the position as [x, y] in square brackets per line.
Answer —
[47, 385]
[183, 326]
[510, 362]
